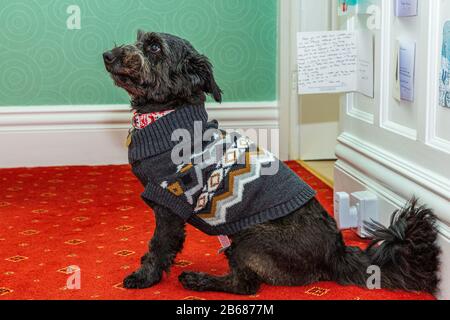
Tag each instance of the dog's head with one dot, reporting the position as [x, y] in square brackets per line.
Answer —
[161, 71]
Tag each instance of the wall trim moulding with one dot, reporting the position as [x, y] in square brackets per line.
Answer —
[75, 117]
[34, 136]
[355, 113]
[419, 175]
[387, 195]
[396, 174]
[399, 129]
[440, 144]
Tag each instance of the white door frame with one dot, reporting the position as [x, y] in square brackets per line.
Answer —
[295, 15]
[289, 21]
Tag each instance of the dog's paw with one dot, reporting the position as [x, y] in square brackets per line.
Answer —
[140, 280]
[194, 281]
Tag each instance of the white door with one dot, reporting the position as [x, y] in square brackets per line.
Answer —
[319, 114]
[309, 123]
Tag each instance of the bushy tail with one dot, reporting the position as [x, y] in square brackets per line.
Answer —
[406, 252]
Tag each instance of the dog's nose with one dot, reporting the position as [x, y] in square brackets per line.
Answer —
[108, 57]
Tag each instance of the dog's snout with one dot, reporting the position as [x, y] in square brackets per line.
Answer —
[108, 57]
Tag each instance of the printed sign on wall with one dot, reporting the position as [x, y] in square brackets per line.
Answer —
[406, 8]
[405, 70]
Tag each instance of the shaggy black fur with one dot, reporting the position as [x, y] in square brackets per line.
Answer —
[161, 72]
[409, 246]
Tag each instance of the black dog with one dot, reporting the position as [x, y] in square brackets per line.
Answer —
[163, 72]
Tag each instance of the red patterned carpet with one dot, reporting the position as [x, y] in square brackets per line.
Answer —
[92, 217]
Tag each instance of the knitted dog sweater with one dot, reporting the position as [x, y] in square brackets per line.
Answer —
[223, 182]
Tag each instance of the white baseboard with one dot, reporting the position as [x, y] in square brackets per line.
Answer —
[400, 176]
[394, 180]
[95, 135]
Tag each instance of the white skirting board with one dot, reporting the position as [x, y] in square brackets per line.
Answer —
[95, 135]
[361, 167]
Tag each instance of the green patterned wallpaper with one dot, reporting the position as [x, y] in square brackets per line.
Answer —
[42, 62]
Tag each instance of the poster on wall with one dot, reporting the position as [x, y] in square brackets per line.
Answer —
[444, 87]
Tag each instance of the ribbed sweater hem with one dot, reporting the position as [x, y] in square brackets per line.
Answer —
[154, 194]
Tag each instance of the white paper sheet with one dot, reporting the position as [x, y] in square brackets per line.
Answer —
[406, 69]
[397, 88]
[335, 62]
[365, 58]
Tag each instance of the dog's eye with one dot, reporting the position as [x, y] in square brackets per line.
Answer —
[154, 48]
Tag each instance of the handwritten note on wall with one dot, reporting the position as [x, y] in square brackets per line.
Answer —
[335, 61]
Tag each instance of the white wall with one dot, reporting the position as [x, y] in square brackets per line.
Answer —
[395, 149]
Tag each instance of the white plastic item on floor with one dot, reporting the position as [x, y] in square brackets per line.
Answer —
[352, 211]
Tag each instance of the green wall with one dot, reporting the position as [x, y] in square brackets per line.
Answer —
[44, 63]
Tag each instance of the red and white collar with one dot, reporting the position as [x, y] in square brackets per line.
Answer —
[142, 120]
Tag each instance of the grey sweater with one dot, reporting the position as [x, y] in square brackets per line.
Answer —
[226, 185]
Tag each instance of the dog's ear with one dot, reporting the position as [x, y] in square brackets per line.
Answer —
[201, 74]
[140, 34]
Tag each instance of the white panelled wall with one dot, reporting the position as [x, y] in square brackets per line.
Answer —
[401, 149]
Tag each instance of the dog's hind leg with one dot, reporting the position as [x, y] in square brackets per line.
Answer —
[240, 280]
[248, 269]
[291, 251]
[244, 282]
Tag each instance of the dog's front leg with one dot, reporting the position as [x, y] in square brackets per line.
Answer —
[166, 243]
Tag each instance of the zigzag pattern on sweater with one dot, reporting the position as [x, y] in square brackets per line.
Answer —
[217, 184]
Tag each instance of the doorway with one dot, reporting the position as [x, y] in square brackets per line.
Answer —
[309, 122]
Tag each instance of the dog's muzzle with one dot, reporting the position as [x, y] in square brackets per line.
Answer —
[108, 57]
